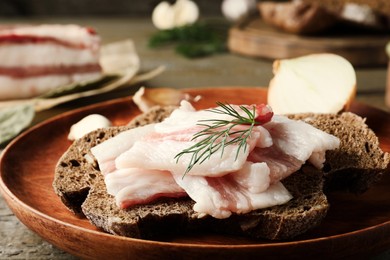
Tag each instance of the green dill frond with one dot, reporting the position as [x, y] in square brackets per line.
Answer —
[218, 134]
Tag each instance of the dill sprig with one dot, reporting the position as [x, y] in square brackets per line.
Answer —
[218, 134]
[195, 40]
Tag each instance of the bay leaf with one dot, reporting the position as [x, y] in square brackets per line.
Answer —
[14, 119]
[80, 86]
[129, 78]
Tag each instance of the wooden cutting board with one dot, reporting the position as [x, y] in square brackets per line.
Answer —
[254, 38]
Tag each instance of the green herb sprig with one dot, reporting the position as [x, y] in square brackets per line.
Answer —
[217, 132]
[192, 41]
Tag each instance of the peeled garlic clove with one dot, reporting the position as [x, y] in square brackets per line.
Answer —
[186, 12]
[146, 98]
[182, 12]
[317, 83]
[236, 9]
[163, 16]
[86, 125]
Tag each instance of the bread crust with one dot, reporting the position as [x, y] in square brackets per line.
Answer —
[359, 162]
[314, 16]
[296, 17]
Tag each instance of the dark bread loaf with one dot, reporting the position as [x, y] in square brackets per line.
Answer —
[373, 15]
[296, 17]
[379, 6]
[81, 187]
[317, 16]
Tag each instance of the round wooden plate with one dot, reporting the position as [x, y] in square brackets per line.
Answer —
[355, 225]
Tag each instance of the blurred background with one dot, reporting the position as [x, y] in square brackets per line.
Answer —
[130, 8]
[249, 45]
[249, 64]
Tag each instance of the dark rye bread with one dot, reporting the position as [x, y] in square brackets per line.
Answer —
[81, 187]
[326, 16]
[380, 6]
[305, 211]
[169, 216]
[360, 162]
[76, 172]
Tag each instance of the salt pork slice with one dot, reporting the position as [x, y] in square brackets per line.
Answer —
[140, 165]
[106, 152]
[35, 59]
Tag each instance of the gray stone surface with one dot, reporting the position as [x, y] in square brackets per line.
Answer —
[18, 242]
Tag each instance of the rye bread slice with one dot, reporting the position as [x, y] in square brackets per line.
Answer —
[80, 186]
[359, 162]
[76, 171]
[169, 216]
[305, 211]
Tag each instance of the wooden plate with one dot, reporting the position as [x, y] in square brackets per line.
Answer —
[356, 225]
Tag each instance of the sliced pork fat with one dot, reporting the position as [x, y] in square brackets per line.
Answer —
[134, 186]
[36, 59]
[161, 155]
[301, 140]
[106, 152]
[221, 185]
[238, 192]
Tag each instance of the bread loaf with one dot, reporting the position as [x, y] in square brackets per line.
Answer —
[378, 6]
[314, 16]
[296, 17]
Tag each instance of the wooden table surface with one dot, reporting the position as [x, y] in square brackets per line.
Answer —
[18, 242]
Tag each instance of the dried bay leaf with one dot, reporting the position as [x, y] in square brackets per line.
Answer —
[79, 86]
[14, 119]
[129, 78]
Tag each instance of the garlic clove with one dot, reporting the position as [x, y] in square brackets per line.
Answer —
[182, 12]
[317, 83]
[186, 12]
[163, 16]
[86, 125]
[236, 9]
[146, 98]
